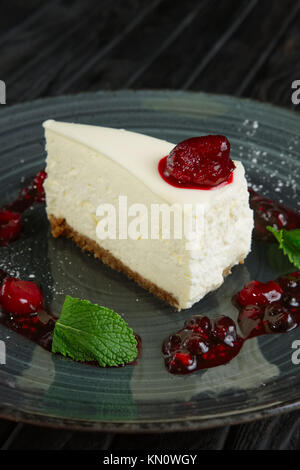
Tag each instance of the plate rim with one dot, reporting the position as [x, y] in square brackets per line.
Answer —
[159, 92]
[144, 427]
[155, 426]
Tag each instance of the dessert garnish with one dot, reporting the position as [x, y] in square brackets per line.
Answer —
[87, 332]
[10, 215]
[199, 162]
[10, 226]
[259, 293]
[289, 243]
[201, 344]
[264, 308]
[271, 213]
[22, 310]
[279, 314]
[20, 297]
[33, 193]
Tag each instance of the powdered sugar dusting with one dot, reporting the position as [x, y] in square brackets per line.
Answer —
[272, 171]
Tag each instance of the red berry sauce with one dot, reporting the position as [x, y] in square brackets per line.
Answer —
[199, 163]
[10, 226]
[201, 344]
[264, 308]
[10, 215]
[259, 293]
[268, 212]
[30, 195]
[21, 310]
[281, 311]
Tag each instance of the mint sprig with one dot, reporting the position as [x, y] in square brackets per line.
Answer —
[88, 332]
[289, 243]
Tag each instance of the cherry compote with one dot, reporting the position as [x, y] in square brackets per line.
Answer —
[201, 344]
[264, 308]
[275, 214]
[198, 163]
[10, 215]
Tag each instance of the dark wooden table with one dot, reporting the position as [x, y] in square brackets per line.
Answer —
[240, 47]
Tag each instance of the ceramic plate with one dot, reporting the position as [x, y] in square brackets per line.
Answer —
[38, 387]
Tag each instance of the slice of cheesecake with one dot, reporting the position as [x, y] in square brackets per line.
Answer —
[90, 166]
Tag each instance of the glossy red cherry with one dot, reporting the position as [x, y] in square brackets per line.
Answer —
[224, 329]
[290, 282]
[10, 226]
[182, 362]
[259, 293]
[291, 300]
[173, 344]
[201, 344]
[278, 318]
[20, 297]
[220, 353]
[196, 344]
[199, 324]
[204, 161]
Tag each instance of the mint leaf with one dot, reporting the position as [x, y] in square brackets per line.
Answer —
[289, 243]
[88, 332]
[277, 259]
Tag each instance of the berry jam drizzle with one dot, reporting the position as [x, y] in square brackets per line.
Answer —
[268, 212]
[271, 307]
[22, 310]
[30, 195]
[10, 215]
[201, 344]
[264, 308]
[38, 327]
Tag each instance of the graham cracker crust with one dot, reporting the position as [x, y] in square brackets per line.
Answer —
[59, 227]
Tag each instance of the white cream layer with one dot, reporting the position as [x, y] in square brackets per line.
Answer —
[139, 154]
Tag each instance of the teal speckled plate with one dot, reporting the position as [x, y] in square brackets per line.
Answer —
[38, 387]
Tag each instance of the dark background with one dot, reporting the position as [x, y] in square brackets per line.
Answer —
[245, 48]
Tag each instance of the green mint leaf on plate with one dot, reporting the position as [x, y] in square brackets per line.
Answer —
[289, 243]
[88, 332]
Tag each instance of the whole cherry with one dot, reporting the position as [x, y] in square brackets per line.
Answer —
[224, 329]
[20, 297]
[199, 324]
[182, 362]
[203, 161]
[259, 293]
[278, 318]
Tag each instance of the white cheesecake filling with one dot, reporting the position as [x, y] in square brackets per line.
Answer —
[88, 166]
